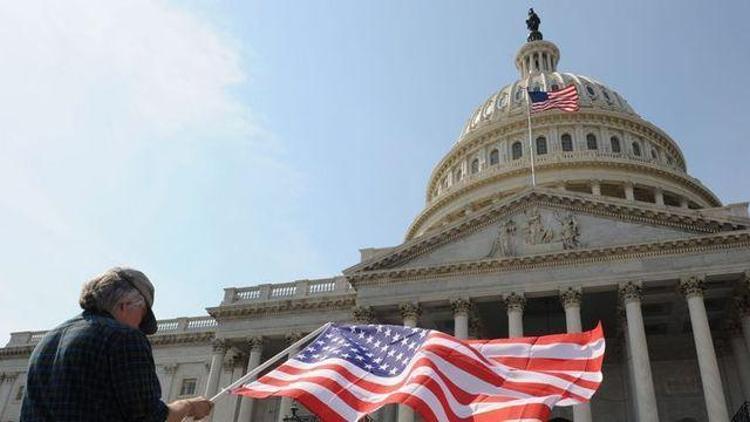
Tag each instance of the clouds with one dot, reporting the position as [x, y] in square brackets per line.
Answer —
[123, 140]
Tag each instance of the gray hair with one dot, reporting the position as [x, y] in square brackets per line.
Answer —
[104, 292]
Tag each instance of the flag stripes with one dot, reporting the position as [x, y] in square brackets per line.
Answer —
[565, 99]
[444, 379]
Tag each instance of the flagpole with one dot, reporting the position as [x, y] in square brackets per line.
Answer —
[531, 144]
[260, 368]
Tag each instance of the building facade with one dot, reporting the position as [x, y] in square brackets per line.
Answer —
[615, 230]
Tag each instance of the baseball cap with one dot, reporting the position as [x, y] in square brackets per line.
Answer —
[141, 283]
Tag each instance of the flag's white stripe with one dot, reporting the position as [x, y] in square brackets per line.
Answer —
[468, 384]
[323, 394]
[591, 350]
[413, 388]
[522, 376]
[514, 374]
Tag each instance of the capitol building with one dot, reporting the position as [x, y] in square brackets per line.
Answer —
[614, 229]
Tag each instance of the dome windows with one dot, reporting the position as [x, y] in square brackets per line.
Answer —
[566, 141]
[615, 144]
[555, 87]
[494, 157]
[516, 150]
[591, 141]
[458, 174]
[503, 100]
[636, 149]
[590, 90]
[541, 145]
[475, 166]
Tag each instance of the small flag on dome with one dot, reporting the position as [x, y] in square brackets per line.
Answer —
[565, 99]
[349, 371]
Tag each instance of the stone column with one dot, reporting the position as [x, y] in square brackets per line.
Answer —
[363, 315]
[237, 364]
[247, 403]
[461, 309]
[571, 301]
[169, 371]
[286, 402]
[629, 195]
[514, 304]
[684, 202]
[741, 358]
[410, 313]
[659, 196]
[644, 385]
[596, 188]
[692, 288]
[217, 358]
[6, 388]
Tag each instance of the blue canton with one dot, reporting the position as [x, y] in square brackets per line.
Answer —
[383, 350]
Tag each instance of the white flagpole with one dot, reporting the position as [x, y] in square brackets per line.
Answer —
[531, 144]
[260, 368]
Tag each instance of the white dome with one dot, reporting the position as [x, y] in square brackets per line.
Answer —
[510, 101]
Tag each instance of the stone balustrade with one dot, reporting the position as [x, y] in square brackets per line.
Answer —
[292, 290]
[164, 326]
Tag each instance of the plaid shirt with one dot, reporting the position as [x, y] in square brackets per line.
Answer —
[92, 368]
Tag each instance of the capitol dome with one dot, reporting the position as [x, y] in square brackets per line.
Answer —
[604, 149]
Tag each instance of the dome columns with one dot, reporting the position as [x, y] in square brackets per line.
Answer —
[536, 57]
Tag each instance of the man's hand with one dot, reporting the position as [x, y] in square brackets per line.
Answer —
[197, 408]
[200, 407]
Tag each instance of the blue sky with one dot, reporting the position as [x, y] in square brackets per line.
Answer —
[217, 144]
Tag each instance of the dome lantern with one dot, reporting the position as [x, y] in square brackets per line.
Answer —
[537, 55]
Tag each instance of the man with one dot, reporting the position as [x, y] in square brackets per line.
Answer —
[98, 366]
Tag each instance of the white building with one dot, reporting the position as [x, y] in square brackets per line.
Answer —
[615, 230]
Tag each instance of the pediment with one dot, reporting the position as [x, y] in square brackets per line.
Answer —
[541, 221]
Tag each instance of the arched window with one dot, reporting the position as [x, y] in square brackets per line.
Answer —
[541, 145]
[444, 182]
[591, 141]
[555, 87]
[567, 142]
[494, 157]
[615, 142]
[458, 174]
[474, 165]
[516, 150]
[636, 149]
[653, 154]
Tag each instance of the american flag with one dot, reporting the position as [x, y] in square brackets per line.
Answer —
[565, 99]
[349, 371]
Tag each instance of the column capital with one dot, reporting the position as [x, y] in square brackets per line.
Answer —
[692, 286]
[292, 337]
[630, 291]
[256, 343]
[461, 306]
[220, 345]
[363, 315]
[514, 301]
[572, 296]
[410, 310]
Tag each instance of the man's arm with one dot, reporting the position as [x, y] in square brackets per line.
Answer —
[136, 385]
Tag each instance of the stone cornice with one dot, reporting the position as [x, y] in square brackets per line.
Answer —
[617, 120]
[697, 244]
[241, 310]
[491, 176]
[16, 351]
[688, 221]
[200, 337]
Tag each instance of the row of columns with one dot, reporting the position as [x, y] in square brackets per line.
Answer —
[240, 408]
[692, 288]
[629, 189]
[630, 293]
